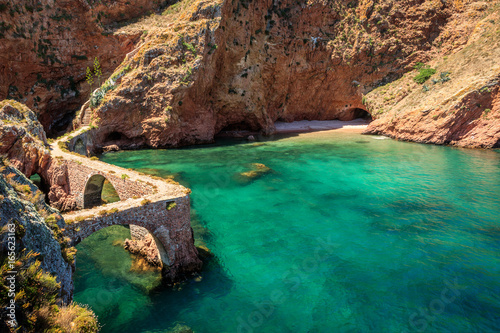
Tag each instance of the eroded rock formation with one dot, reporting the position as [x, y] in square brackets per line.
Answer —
[22, 138]
[218, 65]
[37, 227]
[24, 144]
[46, 46]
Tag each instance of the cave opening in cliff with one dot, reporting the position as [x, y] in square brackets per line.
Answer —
[233, 129]
[361, 114]
[99, 191]
[114, 136]
[80, 147]
[41, 184]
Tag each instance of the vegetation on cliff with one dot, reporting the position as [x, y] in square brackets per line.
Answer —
[453, 99]
[36, 301]
[207, 66]
[32, 245]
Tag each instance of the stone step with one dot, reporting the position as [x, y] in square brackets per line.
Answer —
[86, 119]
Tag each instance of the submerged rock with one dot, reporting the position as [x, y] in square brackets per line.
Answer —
[258, 170]
[144, 247]
[179, 328]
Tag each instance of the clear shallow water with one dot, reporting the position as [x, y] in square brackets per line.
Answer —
[347, 233]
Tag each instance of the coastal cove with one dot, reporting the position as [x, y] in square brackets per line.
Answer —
[338, 232]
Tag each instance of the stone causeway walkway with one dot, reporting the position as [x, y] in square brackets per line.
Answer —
[160, 189]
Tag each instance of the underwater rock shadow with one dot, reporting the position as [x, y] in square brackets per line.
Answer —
[166, 304]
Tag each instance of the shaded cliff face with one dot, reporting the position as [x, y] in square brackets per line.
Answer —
[24, 144]
[46, 46]
[210, 66]
[32, 245]
[37, 227]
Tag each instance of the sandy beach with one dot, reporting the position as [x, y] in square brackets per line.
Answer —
[356, 125]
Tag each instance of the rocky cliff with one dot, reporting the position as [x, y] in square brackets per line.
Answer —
[198, 67]
[35, 255]
[37, 226]
[24, 144]
[458, 104]
[46, 45]
[22, 138]
[210, 66]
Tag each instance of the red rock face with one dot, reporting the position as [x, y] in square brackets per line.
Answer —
[22, 139]
[46, 47]
[458, 105]
[257, 62]
[210, 65]
[474, 122]
[60, 197]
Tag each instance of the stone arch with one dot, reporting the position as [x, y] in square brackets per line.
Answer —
[141, 232]
[42, 184]
[92, 195]
[80, 147]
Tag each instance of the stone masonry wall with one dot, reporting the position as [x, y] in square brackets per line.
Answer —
[82, 144]
[171, 228]
[78, 176]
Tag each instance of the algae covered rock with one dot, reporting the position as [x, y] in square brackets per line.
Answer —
[256, 171]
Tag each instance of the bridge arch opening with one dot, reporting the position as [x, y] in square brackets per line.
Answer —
[42, 185]
[133, 238]
[106, 249]
[99, 191]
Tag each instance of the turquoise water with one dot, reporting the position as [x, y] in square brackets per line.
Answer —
[344, 233]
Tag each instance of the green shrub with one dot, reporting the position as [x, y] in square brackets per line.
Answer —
[424, 73]
[98, 95]
[36, 297]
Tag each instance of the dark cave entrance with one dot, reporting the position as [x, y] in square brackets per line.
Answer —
[239, 129]
[114, 136]
[358, 113]
[42, 185]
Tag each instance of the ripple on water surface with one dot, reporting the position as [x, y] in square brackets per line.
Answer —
[343, 233]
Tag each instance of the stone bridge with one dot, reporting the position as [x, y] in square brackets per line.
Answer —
[86, 184]
[157, 205]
